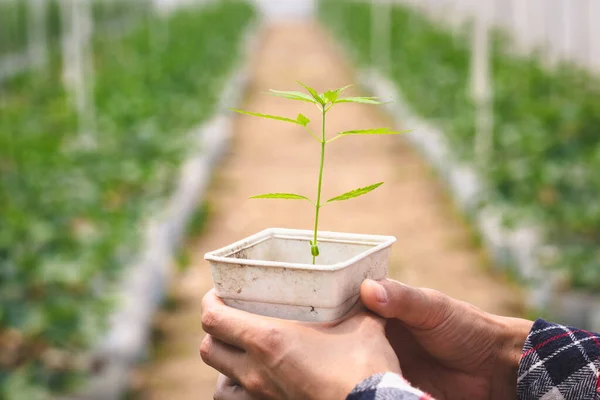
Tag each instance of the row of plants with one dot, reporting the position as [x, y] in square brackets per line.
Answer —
[546, 146]
[13, 26]
[72, 214]
[15, 15]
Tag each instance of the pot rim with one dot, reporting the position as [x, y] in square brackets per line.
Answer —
[223, 254]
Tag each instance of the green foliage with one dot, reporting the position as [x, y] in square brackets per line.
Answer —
[15, 18]
[355, 193]
[300, 120]
[363, 100]
[198, 221]
[107, 11]
[13, 26]
[284, 196]
[377, 131]
[293, 96]
[325, 102]
[71, 216]
[182, 259]
[332, 95]
[546, 149]
[318, 98]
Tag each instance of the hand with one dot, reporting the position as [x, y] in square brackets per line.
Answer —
[278, 359]
[447, 347]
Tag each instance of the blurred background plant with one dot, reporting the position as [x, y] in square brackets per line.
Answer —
[541, 168]
[98, 98]
[71, 211]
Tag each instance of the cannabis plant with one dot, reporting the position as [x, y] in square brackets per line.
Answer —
[324, 102]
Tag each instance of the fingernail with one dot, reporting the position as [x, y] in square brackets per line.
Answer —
[380, 292]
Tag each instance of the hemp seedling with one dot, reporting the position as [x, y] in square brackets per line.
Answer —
[324, 102]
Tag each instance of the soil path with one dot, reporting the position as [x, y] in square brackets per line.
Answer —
[434, 248]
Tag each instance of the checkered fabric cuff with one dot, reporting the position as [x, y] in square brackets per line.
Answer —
[386, 386]
[559, 363]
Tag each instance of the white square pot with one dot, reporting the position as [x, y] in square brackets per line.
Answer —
[271, 273]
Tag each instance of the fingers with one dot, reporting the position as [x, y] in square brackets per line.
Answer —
[237, 365]
[228, 389]
[235, 327]
[224, 358]
[418, 308]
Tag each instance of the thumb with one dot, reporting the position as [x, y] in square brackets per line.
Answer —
[417, 308]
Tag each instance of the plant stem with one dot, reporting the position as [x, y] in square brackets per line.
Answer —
[318, 205]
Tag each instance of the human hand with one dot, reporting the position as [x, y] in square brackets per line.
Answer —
[279, 359]
[449, 348]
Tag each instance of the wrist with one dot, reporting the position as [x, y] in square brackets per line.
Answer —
[513, 334]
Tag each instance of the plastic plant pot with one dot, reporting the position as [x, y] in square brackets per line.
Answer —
[271, 273]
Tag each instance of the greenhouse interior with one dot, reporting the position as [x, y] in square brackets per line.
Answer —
[130, 150]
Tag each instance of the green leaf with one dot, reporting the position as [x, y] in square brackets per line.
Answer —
[285, 196]
[332, 95]
[355, 193]
[293, 121]
[377, 131]
[302, 120]
[340, 90]
[291, 95]
[313, 93]
[363, 100]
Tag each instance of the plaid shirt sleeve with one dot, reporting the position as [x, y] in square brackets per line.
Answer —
[559, 363]
[388, 386]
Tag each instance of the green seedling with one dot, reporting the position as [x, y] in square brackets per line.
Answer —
[324, 102]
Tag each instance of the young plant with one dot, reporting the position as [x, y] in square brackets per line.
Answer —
[324, 102]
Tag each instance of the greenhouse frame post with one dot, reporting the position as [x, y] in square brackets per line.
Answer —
[552, 32]
[381, 35]
[78, 64]
[481, 89]
[586, 39]
[36, 33]
[594, 32]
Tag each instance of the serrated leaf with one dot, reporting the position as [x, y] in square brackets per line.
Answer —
[284, 196]
[313, 93]
[355, 193]
[291, 95]
[302, 120]
[275, 117]
[362, 100]
[332, 95]
[340, 90]
[377, 131]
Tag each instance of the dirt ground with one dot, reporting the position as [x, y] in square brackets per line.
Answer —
[434, 249]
